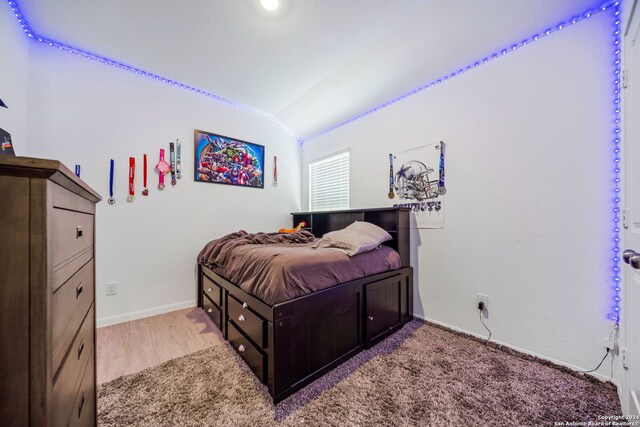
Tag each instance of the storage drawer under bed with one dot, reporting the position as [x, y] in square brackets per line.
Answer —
[212, 311]
[251, 355]
[246, 320]
[212, 290]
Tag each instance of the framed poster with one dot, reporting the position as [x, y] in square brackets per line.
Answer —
[220, 159]
[419, 184]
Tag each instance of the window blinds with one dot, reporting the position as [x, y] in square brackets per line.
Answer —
[329, 183]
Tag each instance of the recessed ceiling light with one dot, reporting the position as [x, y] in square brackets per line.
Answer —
[270, 5]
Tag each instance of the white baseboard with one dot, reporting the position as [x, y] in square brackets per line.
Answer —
[141, 314]
[522, 350]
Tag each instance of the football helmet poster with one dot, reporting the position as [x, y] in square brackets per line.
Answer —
[419, 184]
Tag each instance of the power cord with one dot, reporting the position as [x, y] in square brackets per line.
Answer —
[481, 309]
[599, 364]
[612, 335]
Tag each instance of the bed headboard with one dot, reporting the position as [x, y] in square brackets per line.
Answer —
[394, 220]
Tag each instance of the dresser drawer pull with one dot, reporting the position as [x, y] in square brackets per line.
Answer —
[80, 348]
[241, 348]
[241, 318]
[81, 405]
[245, 305]
[78, 232]
[78, 290]
[210, 290]
[370, 318]
[210, 310]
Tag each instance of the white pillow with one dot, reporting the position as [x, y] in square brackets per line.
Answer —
[355, 239]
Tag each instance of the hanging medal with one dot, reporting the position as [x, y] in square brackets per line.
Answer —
[178, 159]
[172, 159]
[132, 175]
[111, 200]
[162, 167]
[275, 171]
[145, 191]
[391, 194]
[441, 188]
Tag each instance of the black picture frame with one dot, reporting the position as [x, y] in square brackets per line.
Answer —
[220, 159]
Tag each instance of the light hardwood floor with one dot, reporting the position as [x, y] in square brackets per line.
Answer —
[130, 347]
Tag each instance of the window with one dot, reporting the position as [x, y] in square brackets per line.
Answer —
[329, 183]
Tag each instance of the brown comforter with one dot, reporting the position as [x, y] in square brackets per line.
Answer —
[277, 267]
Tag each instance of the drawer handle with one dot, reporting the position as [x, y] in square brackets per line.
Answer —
[78, 290]
[78, 232]
[81, 405]
[241, 348]
[210, 310]
[370, 318]
[210, 290]
[245, 305]
[241, 318]
[80, 349]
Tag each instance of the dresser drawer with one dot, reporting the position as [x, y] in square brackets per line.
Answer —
[71, 234]
[83, 411]
[212, 311]
[65, 199]
[66, 269]
[69, 305]
[252, 356]
[68, 380]
[250, 323]
[212, 290]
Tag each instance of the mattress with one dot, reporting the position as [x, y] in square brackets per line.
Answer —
[280, 272]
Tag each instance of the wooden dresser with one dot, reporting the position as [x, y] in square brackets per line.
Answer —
[47, 310]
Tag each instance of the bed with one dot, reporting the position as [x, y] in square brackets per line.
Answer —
[289, 339]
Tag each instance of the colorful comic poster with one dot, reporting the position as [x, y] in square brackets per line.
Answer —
[223, 160]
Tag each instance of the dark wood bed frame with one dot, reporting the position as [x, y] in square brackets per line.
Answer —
[292, 343]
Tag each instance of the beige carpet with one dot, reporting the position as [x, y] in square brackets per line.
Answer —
[421, 376]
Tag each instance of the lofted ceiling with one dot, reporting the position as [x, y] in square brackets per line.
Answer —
[311, 63]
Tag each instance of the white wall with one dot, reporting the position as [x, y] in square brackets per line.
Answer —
[527, 218]
[14, 64]
[86, 113]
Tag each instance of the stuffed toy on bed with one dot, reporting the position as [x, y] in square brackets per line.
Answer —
[293, 230]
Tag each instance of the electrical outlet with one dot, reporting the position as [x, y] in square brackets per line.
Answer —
[609, 343]
[626, 362]
[112, 289]
[481, 298]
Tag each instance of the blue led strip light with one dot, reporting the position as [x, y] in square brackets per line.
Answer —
[21, 19]
[88, 55]
[614, 314]
[587, 14]
[614, 6]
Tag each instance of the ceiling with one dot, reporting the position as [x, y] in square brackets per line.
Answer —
[311, 63]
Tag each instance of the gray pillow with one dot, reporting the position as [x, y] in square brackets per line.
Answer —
[355, 239]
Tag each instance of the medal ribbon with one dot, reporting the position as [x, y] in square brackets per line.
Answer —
[172, 160]
[275, 170]
[111, 179]
[144, 171]
[161, 176]
[132, 174]
[178, 159]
